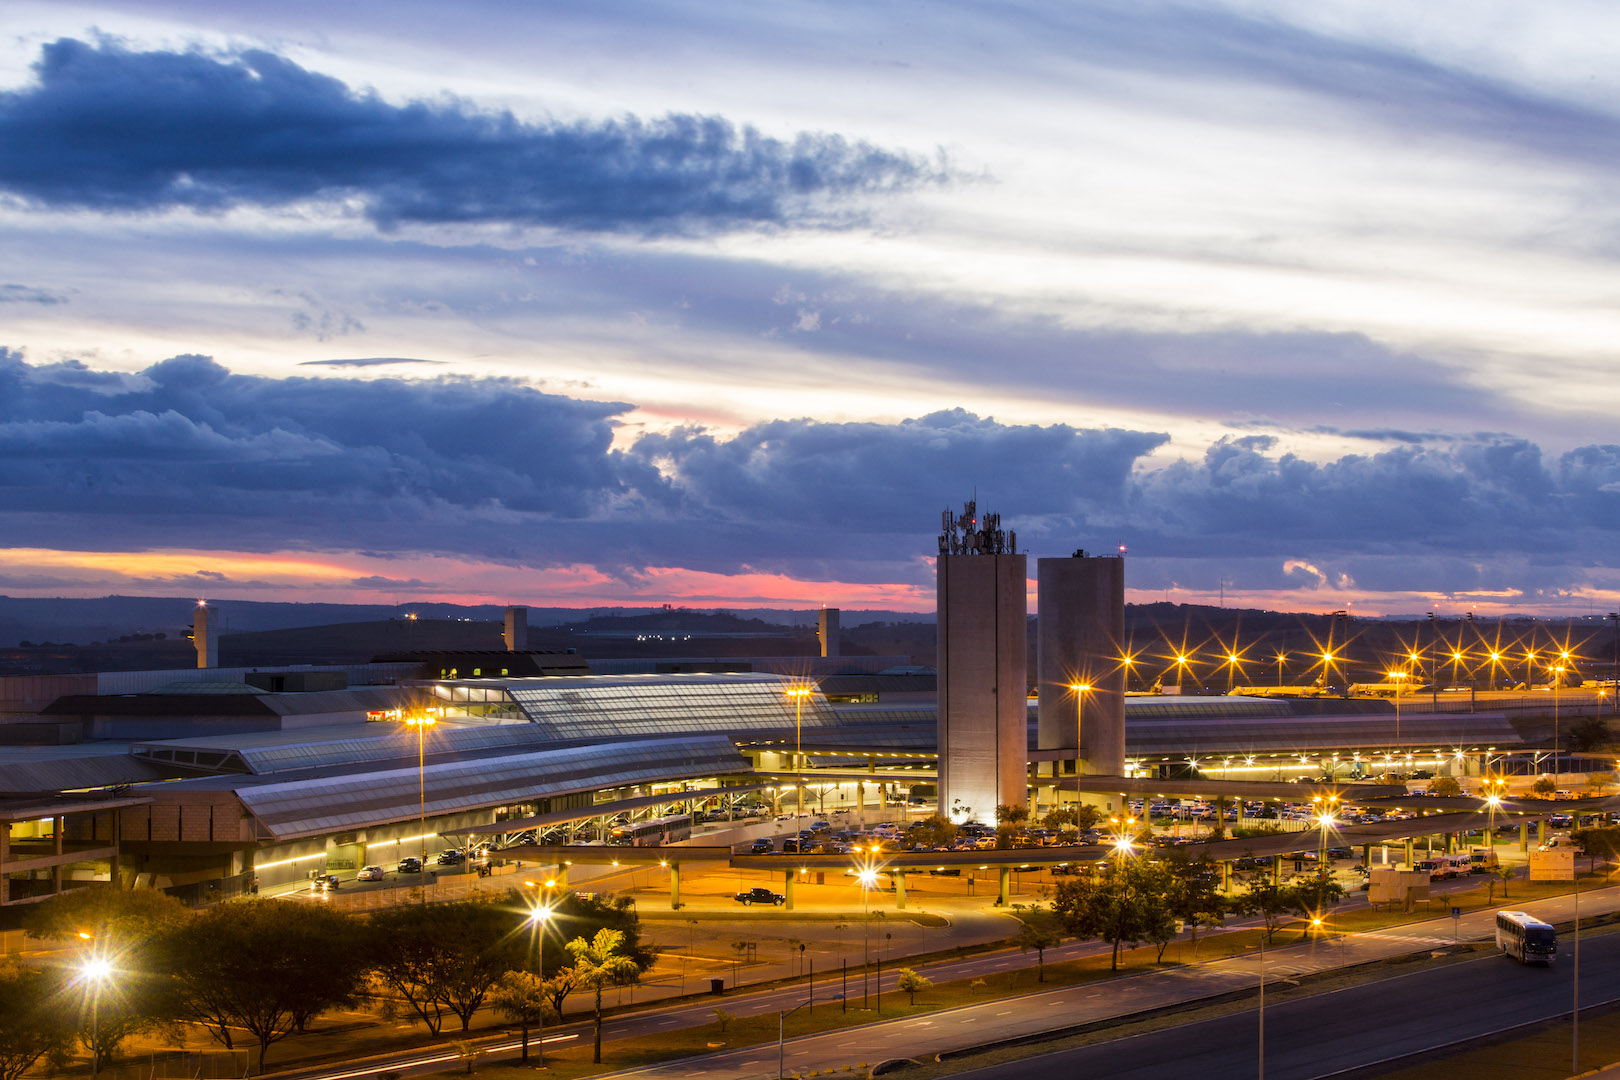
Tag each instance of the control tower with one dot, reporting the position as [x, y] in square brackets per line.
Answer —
[982, 665]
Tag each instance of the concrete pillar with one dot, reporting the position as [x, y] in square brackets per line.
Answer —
[827, 631]
[1081, 603]
[1541, 831]
[1226, 875]
[516, 633]
[675, 886]
[1276, 869]
[1366, 854]
[1524, 836]
[205, 635]
[1451, 843]
[787, 889]
[1004, 874]
[899, 890]
[1411, 852]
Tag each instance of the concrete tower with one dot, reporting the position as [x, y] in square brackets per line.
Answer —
[983, 687]
[517, 629]
[828, 631]
[205, 635]
[1081, 612]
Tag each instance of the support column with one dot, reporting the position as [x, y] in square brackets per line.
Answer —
[1411, 852]
[787, 888]
[1541, 831]
[1366, 855]
[1524, 836]
[899, 890]
[675, 886]
[1226, 875]
[1276, 869]
[1004, 874]
[1451, 843]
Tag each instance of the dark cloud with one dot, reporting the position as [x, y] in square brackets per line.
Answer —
[368, 361]
[25, 294]
[112, 130]
[188, 454]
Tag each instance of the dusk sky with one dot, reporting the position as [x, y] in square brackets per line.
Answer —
[721, 304]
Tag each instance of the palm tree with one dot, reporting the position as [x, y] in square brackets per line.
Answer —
[598, 963]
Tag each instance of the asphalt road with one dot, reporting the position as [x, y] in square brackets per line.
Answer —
[1334, 1033]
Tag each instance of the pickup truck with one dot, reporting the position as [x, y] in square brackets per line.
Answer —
[760, 895]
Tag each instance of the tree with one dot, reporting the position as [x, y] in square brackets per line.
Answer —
[1194, 897]
[112, 917]
[1060, 818]
[1545, 786]
[35, 1024]
[125, 926]
[1505, 872]
[1264, 898]
[911, 984]
[1012, 814]
[1040, 933]
[520, 997]
[264, 966]
[1588, 735]
[1123, 902]
[599, 963]
[1599, 782]
[1446, 786]
[1595, 844]
[936, 831]
[447, 956]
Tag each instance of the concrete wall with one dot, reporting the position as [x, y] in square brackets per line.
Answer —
[983, 693]
[1081, 630]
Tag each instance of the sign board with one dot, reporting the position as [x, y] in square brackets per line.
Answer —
[1387, 885]
[1555, 864]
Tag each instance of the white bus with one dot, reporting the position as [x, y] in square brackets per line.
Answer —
[1525, 938]
[653, 833]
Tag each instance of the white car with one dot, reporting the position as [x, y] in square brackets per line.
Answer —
[370, 873]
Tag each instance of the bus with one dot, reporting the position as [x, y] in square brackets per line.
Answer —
[653, 833]
[1525, 938]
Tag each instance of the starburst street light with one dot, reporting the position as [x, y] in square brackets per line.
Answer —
[798, 693]
[1081, 689]
[95, 971]
[539, 915]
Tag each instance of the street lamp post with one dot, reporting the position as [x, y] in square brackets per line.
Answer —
[867, 878]
[1558, 683]
[95, 970]
[798, 694]
[781, 1031]
[538, 916]
[421, 724]
[1080, 691]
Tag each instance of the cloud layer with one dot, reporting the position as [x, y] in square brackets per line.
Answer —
[187, 454]
[113, 130]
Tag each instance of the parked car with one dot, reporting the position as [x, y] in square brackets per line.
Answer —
[762, 846]
[451, 857]
[370, 873]
[410, 864]
[760, 895]
[323, 882]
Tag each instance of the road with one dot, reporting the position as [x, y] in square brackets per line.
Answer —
[1308, 1038]
[924, 1036]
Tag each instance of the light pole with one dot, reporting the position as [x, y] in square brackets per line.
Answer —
[781, 1030]
[421, 724]
[1614, 672]
[1558, 682]
[95, 971]
[538, 916]
[867, 878]
[1281, 659]
[1397, 676]
[798, 694]
[1080, 691]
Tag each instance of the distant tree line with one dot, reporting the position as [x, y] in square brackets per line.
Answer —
[272, 967]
